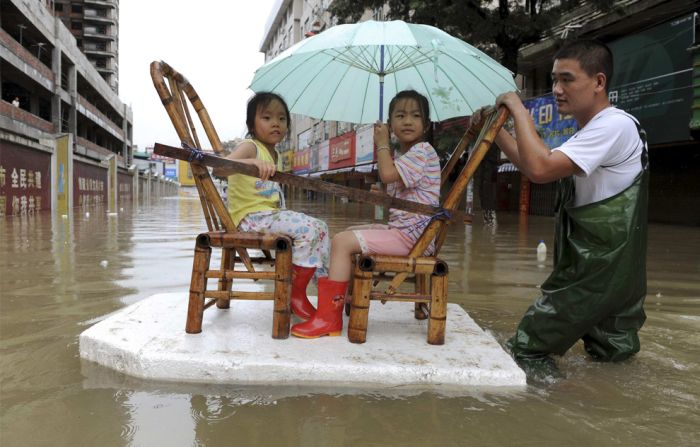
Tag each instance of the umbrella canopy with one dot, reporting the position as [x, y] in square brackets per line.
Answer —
[348, 72]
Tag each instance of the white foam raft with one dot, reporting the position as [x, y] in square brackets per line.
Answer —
[147, 340]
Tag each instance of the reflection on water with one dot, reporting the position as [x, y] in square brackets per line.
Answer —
[58, 276]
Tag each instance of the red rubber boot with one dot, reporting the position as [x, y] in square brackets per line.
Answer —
[329, 315]
[301, 307]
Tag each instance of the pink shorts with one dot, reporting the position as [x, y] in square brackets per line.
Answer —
[385, 241]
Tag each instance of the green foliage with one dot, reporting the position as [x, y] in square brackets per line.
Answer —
[446, 141]
[498, 28]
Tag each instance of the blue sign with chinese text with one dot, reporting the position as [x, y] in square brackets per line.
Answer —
[554, 128]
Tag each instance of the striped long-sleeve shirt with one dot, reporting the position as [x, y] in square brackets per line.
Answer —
[419, 169]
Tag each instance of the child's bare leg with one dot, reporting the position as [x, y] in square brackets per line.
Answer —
[343, 246]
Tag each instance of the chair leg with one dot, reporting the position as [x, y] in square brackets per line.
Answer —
[438, 310]
[198, 284]
[281, 317]
[227, 263]
[348, 298]
[422, 288]
[359, 307]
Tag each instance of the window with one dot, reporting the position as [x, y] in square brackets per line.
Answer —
[58, 7]
[76, 25]
[77, 9]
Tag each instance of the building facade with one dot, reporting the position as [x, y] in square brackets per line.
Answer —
[95, 26]
[656, 78]
[51, 91]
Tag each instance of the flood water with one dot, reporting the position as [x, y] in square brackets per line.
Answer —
[59, 276]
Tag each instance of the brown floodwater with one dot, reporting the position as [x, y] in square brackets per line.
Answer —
[59, 276]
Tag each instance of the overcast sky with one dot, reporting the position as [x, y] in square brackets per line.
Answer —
[215, 44]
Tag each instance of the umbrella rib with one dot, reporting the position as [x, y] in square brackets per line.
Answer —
[340, 80]
[299, 61]
[352, 59]
[429, 97]
[508, 80]
[362, 114]
[369, 59]
[405, 61]
[318, 72]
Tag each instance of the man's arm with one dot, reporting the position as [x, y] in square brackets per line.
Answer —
[528, 152]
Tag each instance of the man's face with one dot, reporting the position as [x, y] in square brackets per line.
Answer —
[573, 89]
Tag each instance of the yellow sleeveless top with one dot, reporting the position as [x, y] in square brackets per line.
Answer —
[248, 194]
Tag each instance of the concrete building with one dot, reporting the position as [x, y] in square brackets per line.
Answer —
[60, 93]
[95, 26]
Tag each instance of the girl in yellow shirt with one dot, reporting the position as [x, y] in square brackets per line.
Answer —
[257, 204]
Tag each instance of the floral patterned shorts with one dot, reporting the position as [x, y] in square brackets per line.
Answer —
[309, 235]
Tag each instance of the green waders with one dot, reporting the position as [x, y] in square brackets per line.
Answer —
[597, 289]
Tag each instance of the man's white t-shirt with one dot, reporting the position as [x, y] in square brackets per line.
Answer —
[608, 151]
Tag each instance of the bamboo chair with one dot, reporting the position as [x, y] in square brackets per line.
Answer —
[428, 272]
[177, 96]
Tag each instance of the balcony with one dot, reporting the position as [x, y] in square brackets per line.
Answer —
[101, 33]
[110, 3]
[99, 16]
[25, 56]
[24, 117]
[98, 49]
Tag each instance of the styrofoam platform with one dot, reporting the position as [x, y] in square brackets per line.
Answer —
[148, 340]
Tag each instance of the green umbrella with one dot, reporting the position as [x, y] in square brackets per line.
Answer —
[346, 72]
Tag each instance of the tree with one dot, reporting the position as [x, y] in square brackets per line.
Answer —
[499, 28]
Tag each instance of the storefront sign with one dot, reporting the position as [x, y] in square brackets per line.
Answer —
[554, 128]
[323, 148]
[301, 161]
[364, 144]
[342, 151]
[653, 78]
[313, 158]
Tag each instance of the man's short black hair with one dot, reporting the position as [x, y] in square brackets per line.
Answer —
[593, 56]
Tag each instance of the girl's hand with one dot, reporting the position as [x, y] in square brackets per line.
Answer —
[381, 134]
[265, 168]
[376, 189]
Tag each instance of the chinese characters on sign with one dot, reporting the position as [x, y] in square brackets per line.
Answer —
[89, 185]
[125, 185]
[24, 181]
[554, 128]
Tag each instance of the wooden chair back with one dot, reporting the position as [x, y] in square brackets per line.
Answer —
[178, 97]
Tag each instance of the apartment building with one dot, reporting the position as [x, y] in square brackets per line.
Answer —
[49, 90]
[95, 26]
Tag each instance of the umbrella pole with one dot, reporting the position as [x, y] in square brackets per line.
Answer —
[381, 81]
[379, 210]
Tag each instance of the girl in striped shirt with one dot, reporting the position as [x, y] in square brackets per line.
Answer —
[414, 175]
